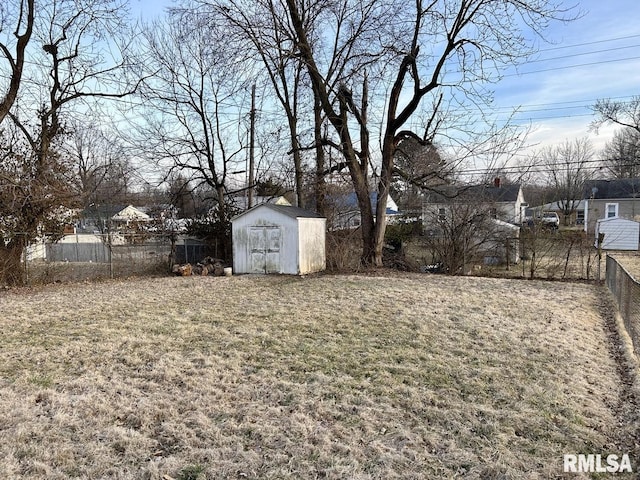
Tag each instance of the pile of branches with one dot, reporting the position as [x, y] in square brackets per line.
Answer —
[208, 266]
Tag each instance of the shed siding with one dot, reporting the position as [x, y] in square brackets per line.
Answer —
[619, 234]
[312, 253]
[264, 218]
[302, 242]
[239, 241]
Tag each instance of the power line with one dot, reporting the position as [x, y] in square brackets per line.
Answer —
[595, 42]
[564, 67]
[590, 101]
[573, 55]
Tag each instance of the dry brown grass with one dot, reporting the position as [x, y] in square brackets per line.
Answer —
[630, 261]
[351, 377]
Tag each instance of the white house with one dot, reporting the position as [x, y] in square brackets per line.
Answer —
[130, 214]
[273, 238]
[503, 202]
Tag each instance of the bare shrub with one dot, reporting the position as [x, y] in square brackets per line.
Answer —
[556, 254]
[343, 250]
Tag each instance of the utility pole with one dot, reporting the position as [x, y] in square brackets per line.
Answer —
[252, 135]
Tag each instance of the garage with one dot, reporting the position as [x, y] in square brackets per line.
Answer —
[272, 238]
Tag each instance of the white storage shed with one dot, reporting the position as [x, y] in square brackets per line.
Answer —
[619, 233]
[278, 239]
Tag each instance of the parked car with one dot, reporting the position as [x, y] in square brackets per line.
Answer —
[550, 219]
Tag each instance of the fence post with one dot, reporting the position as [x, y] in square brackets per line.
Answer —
[600, 240]
[110, 250]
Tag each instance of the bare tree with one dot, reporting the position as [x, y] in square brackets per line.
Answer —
[262, 25]
[351, 30]
[625, 114]
[463, 231]
[23, 20]
[194, 105]
[99, 164]
[567, 167]
[621, 155]
[412, 49]
[32, 200]
[68, 69]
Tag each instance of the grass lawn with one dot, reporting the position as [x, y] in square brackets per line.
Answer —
[350, 377]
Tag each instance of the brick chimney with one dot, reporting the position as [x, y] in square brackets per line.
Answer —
[496, 182]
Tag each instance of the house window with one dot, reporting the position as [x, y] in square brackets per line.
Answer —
[580, 217]
[611, 210]
[442, 214]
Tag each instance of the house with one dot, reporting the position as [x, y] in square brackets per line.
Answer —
[104, 218]
[270, 238]
[481, 220]
[502, 202]
[345, 212]
[619, 198]
[129, 215]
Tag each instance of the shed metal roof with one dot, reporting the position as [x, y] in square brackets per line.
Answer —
[288, 210]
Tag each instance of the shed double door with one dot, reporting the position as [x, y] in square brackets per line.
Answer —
[264, 249]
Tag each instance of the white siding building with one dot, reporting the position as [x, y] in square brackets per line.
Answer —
[278, 239]
[619, 234]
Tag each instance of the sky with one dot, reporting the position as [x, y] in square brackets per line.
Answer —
[594, 57]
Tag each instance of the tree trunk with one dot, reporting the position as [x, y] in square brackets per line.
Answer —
[367, 220]
[357, 164]
[224, 222]
[297, 159]
[320, 187]
[388, 151]
[12, 272]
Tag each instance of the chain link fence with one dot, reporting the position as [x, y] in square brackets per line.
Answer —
[626, 291]
[80, 257]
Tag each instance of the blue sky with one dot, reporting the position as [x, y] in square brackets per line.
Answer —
[148, 8]
[596, 56]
